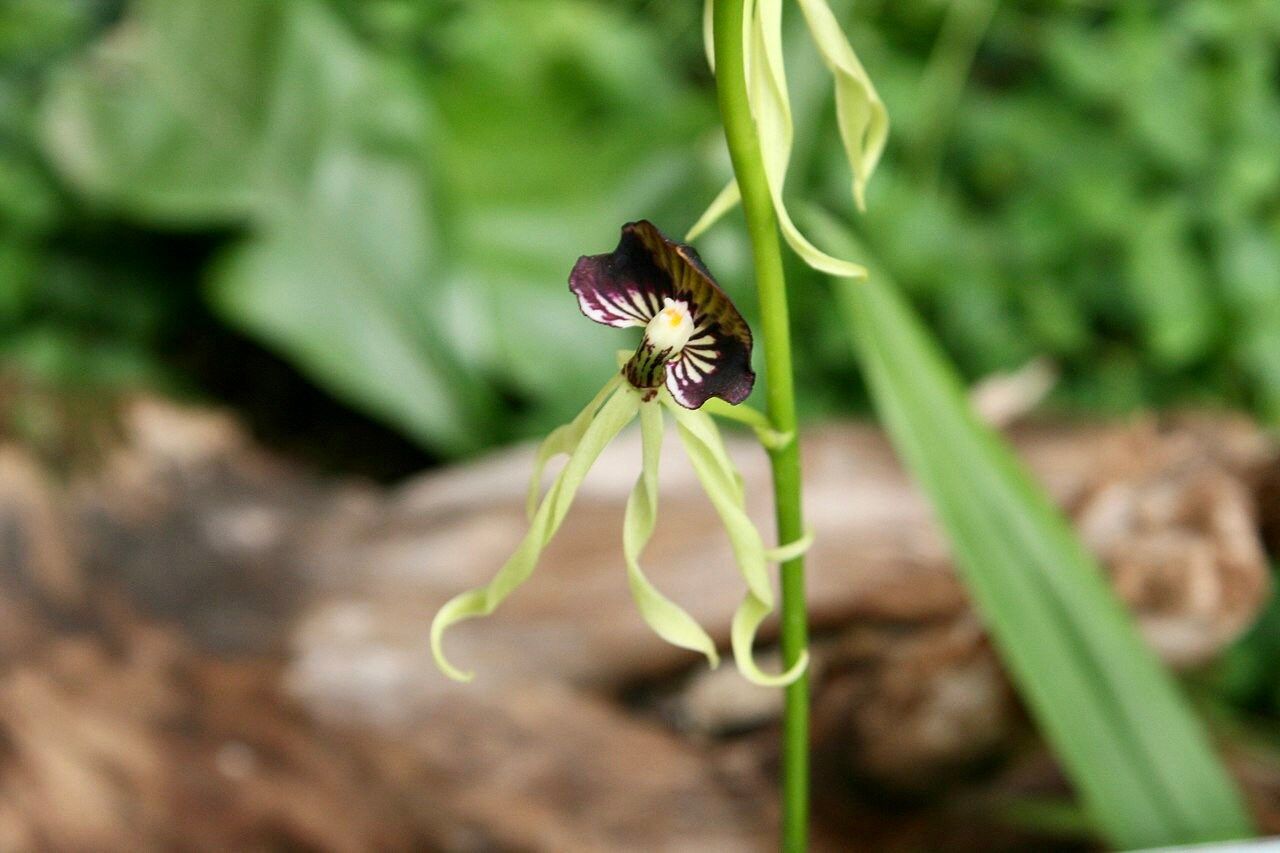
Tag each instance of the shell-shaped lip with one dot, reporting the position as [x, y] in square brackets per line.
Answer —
[628, 286]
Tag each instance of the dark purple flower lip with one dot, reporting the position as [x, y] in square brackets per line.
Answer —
[695, 339]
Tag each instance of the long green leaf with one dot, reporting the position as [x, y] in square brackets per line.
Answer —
[1137, 755]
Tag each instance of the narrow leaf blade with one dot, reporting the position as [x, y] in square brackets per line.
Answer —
[1135, 752]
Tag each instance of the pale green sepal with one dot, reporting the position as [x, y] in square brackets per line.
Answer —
[666, 618]
[563, 439]
[723, 486]
[726, 201]
[754, 418]
[615, 414]
[785, 553]
[860, 114]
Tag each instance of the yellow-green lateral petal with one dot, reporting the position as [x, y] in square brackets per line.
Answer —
[563, 439]
[860, 114]
[720, 479]
[666, 618]
[615, 414]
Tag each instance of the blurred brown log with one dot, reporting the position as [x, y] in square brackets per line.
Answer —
[207, 647]
[914, 689]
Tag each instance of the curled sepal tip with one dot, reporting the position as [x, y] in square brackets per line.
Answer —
[616, 412]
[719, 478]
[746, 621]
[666, 618]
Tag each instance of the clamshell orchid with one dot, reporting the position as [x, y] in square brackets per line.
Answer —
[694, 358]
[695, 341]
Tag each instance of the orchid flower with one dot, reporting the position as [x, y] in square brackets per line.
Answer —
[694, 358]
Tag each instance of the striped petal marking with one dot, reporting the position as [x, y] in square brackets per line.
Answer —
[695, 340]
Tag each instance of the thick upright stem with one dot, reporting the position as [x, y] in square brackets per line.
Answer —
[762, 223]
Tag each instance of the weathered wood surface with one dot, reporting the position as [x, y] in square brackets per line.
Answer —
[204, 642]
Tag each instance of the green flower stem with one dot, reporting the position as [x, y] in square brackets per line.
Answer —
[762, 224]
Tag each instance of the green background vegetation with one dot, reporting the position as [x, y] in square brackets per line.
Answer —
[389, 194]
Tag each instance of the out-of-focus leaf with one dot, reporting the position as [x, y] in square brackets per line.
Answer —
[164, 118]
[1129, 742]
[1168, 286]
[309, 288]
[17, 267]
[33, 30]
[28, 201]
[1249, 266]
[270, 113]
[1164, 100]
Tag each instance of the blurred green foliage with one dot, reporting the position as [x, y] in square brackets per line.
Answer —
[390, 193]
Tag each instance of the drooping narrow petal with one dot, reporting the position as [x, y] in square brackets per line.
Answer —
[705, 431]
[708, 34]
[664, 616]
[616, 413]
[564, 439]
[719, 478]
